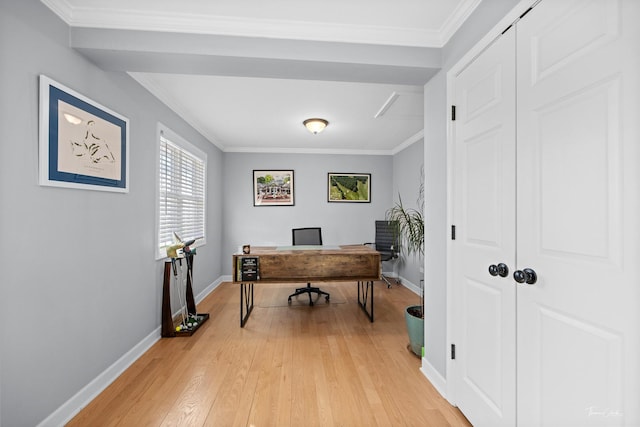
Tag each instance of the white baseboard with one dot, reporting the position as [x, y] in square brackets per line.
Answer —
[82, 398]
[411, 286]
[434, 377]
[227, 278]
[390, 274]
[206, 291]
[71, 407]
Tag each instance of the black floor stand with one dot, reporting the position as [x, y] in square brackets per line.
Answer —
[168, 325]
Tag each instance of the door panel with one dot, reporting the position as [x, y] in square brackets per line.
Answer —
[563, 385]
[483, 341]
[482, 203]
[581, 129]
[573, 28]
[484, 214]
[578, 328]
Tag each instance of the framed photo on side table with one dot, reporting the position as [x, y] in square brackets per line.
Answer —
[349, 187]
[273, 188]
[82, 143]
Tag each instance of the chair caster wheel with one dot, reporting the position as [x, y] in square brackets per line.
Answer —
[311, 303]
[326, 299]
[289, 301]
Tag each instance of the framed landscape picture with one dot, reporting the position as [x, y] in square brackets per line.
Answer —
[273, 188]
[349, 187]
[82, 143]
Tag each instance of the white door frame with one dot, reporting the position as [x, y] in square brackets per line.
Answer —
[505, 22]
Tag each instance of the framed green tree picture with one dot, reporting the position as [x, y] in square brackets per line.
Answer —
[349, 187]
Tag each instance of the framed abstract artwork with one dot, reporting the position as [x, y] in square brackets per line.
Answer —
[349, 187]
[273, 188]
[82, 143]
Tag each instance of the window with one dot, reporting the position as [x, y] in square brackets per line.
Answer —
[182, 171]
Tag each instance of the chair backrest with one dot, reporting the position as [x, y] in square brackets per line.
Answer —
[387, 236]
[307, 236]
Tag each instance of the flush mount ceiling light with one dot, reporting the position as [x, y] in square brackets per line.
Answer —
[315, 126]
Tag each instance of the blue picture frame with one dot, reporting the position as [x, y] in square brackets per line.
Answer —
[83, 144]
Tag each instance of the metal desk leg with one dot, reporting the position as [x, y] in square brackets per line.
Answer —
[363, 296]
[246, 301]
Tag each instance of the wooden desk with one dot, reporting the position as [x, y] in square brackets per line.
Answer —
[292, 264]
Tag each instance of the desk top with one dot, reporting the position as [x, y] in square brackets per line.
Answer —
[309, 249]
[314, 263]
[305, 247]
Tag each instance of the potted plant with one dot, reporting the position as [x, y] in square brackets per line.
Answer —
[410, 227]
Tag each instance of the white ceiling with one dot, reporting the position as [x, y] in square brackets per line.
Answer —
[246, 73]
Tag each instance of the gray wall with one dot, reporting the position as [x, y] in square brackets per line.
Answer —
[80, 285]
[407, 165]
[342, 223]
[487, 14]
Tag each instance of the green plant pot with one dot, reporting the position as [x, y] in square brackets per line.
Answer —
[415, 328]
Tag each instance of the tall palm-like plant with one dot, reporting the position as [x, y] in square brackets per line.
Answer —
[410, 228]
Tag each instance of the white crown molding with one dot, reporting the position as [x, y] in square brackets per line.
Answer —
[456, 20]
[276, 150]
[125, 19]
[408, 142]
[61, 8]
[273, 150]
[174, 105]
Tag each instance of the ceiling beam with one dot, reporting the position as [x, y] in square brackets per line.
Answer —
[161, 52]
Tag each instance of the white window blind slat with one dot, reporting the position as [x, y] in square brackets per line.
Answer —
[181, 194]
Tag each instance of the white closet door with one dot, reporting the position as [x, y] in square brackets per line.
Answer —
[578, 215]
[484, 214]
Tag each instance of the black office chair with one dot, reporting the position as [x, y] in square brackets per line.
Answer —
[387, 244]
[308, 236]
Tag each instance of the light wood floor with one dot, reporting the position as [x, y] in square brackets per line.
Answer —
[295, 365]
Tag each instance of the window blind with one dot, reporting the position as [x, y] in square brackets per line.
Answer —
[181, 195]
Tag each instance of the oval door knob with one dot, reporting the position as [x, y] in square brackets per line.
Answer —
[503, 270]
[493, 270]
[527, 276]
[499, 270]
